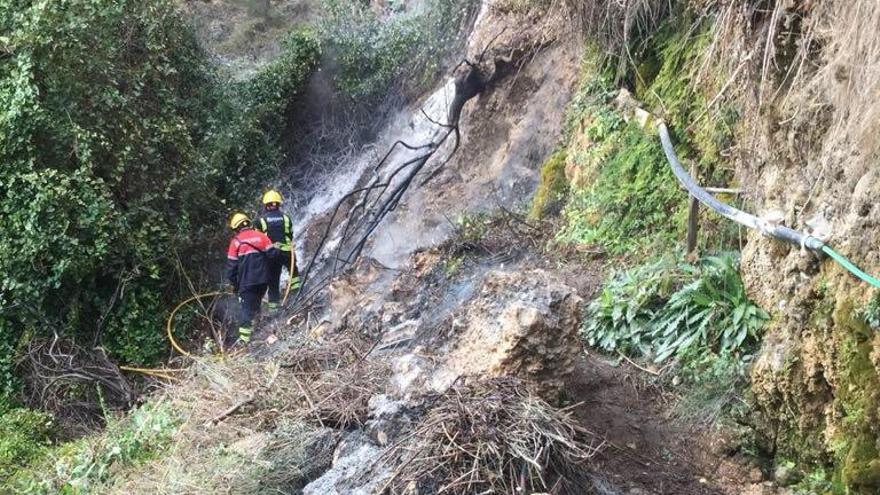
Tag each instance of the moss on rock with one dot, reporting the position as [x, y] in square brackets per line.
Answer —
[860, 469]
[821, 398]
[553, 187]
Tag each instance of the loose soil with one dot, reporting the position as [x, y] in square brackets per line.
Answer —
[646, 452]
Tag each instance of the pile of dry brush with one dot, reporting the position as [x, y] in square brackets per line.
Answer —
[495, 436]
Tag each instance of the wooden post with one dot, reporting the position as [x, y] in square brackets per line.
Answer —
[693, 220]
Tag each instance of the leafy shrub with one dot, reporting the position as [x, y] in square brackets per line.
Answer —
[251, 116]
[79, 467]
[23, 434]
[471, 227]
[664, 309]
[117, 144]
[407, 50]
[97, 138]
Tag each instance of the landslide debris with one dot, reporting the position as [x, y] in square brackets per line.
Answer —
[523, 323]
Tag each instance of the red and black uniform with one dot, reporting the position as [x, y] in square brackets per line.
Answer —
[248, 263]
[279, 227]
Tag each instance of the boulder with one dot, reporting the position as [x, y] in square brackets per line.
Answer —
[520, 323]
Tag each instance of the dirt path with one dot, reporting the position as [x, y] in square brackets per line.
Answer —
[645, 452]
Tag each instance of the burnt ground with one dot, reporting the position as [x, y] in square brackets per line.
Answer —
[647, 449]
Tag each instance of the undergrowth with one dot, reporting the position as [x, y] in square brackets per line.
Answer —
[623, 196]
[80, 467]
[669, 309]
[118, 163]
[712, 385]
[633, 201]
[24, 433]
[405, 52]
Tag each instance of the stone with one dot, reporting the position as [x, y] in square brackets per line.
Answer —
[786, 474]
[520, 323]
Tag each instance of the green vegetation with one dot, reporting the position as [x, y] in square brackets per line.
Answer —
[665, 309]
[251, 116]
[633, 201]
[671, 84]
[23, 435]
[117, 144]
[712, 385]
[407, 51]
[80, 467]
[472, 227]
[848, 459]
[870, 313]
[857, 456]
[552, 188]
[816, 481]
[623, 196]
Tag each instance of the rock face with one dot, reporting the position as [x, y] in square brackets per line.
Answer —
[816, 382]
[519, 323]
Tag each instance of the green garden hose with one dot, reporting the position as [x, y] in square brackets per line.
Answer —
[858, 272]
[751, 221]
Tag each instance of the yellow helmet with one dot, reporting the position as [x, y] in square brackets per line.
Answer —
[237, 220]
[272, 196]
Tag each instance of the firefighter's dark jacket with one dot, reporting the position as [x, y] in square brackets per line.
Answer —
[248, 258]
[278, 227]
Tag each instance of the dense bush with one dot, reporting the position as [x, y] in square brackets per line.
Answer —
[664, 309]
[408, 49]
[118, 145]
[251, 116]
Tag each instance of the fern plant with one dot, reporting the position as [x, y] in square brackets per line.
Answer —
[663, 309]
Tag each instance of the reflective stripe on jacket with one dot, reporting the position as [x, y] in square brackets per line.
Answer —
[279, 228]
[247, 259]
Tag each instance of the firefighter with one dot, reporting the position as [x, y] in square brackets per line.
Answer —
[248, 265]
[279, 227]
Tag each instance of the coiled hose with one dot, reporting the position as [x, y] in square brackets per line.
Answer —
[169, 327]
[751, 221]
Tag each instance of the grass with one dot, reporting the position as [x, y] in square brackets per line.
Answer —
[24, 434]
[83, 466]
[275, 439]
